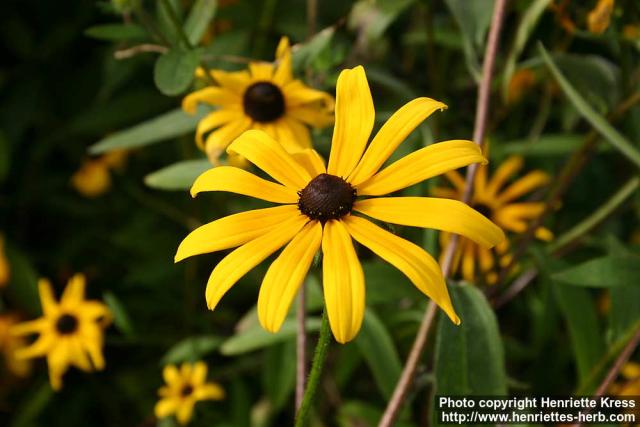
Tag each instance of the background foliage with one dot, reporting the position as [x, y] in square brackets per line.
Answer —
[70, 90]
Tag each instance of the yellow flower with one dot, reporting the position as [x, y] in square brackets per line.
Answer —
[498, 203]
[71, 331]
[10, 344]
[599, 18]
[317, 209]
[93, 178]
[5, 270]
[629, 384]
[521, 82]
[184, 388]
[264, 97]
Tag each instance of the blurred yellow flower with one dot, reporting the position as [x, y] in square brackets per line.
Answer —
[491, 198]
[629, 383]
[5, 269]
[184, 388]
[521, 82]
[317, 209]
[70, 332]
[10, 344]
[264, 97]
[599, 18]
[93, 178]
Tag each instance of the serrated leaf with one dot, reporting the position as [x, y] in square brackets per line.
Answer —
[255, 338]
[166, 126]
[376, 346]
[178, 176]
[174, 70]
[192, 349]
[469, 358]
[200, 15]
[614, 137]
[606, 272]
[116, 32]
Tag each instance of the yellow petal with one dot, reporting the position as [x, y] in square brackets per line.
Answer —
[293, 135]
[544, 234]
[343, 282]
[199, 373]
[486, 259]
[219, 139]
[240, 261]
[423, 271]
[261, 71]
[391, 135]
[170, 374]
[185, 411]
[468, 262]
[210, 95]
[78, 356]
[285, 275]
[311, 161]
[214, 120]
[47, 300]
[422, 164]
[354, 120]
[283, 73]
[236, 180]
[457, 180]
[40, 347]
[297, 94]
[165, 407]
[233, 230]
[267, 154]
[529, 182]
[209, 391]
[441, 214]
[30, 327]
[313, 116]
[235, 81]
[73, 294]
[58, 362]
[94, 348]
[504, 172]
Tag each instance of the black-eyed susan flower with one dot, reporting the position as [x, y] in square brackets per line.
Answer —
[264, 97]
[496, 198]
[184, 388]
[70, 331]
[94, 178]
[318, 206]
[10, 344]
[599, 18]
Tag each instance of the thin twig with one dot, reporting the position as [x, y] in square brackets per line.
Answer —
[141, 48]
[615, 368]
[480, 126]
[516, 287]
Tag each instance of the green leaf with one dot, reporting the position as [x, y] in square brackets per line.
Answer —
[200, 15]
[375, 17]
[624, 311]
[23, 282]
[178, 176]
[376, 346]
[166, 126]
[279, 373]
[606, 272]
[525, 28]
[191, 349]
[254, 337]
[594, 78]
[359, 413]
[120, 317]
[174, 70]
[35, 401]
[304, 54]
[469, 358]
[597, 121]
[116, 32]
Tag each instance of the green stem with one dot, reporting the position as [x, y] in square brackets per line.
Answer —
[596, 217]
[316, 370]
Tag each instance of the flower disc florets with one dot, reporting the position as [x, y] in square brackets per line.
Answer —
[66, 324]
[326, 197]
[263, 102]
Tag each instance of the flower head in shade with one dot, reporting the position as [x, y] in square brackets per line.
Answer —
[184, 388]
[319, 205]
[70, 331]
[264, 97]
[496, 198]
[10, 344]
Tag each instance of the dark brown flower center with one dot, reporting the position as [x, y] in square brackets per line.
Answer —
[263, 102]
[66, 324]
[483, 209]
[187, 389]
[326, 197]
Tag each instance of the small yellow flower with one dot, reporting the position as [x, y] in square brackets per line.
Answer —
[70, 332]
[93, 178]
[318, 205]
[599, 18]
[264, 97]
[491, 198]
[5, 269]
[629, 383]
[185, 387]
[10, 344]
[521, 82]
